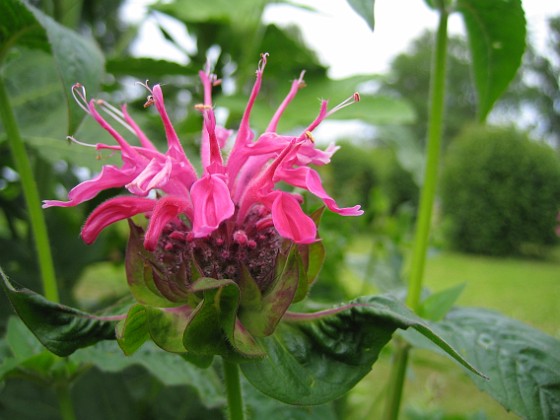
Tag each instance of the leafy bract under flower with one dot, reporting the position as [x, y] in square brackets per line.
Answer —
[227, 190]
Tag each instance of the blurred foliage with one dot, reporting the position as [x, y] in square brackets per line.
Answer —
[500, 191]
[409, 77]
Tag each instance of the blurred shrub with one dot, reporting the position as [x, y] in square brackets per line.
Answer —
[500, 191]
[356, 171]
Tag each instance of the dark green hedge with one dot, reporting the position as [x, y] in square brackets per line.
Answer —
[500, 191]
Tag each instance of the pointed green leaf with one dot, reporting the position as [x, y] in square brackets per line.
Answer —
[435, 306]
[496, 32]
[365, 9]
[132, 332]
[523, 363]
[77, 58]
[59, 328]
[18, 25]
[314, 358]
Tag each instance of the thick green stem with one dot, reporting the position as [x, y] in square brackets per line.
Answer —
[427, 198]
[65, 402]
[433, 149]
[233, 389]
[37, 221]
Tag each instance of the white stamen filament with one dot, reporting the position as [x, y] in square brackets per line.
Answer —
[73, 140]
[347, 102]
[114, 113]
[79, 94]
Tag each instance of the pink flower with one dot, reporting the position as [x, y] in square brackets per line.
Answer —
[230, 196]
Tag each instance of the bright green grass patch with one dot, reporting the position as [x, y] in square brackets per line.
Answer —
[527, 290]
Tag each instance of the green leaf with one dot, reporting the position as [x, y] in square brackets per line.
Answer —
[523, 363]
[132, 332]
[78, 60]
[365, 9]
[262, 321]
[26, 353]
[496, 32]
[59, 328]
[166, 327]
[315, 358]
[54, 150]
[18, 25]
[144, 68]
[436, 306]
[139, 272]
[169, 368]
[213, 327]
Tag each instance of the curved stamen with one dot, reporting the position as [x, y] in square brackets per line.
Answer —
[73, 140]
[347, 102]
[80, 96]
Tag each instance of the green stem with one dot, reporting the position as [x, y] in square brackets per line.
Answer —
[396, 381]
[427, 198]
[233, 389]
[37, 221]
[65, 402]
[433, 146]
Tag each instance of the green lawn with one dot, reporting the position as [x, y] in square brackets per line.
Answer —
[436, 388]
[527, 290]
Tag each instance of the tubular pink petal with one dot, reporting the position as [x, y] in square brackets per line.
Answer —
[110, 177]
[166, 209]
[212, 204]
[172, 138]
[322, 115]
[244, 135]
[296, 85]
[309, 179]
[144, 141]
[263, 184]
[112, 211]
[289, 219]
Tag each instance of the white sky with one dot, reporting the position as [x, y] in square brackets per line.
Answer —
[340, 37]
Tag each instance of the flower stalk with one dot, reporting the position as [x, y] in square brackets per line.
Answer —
[29, 187]
[233, 390]
[424, 217]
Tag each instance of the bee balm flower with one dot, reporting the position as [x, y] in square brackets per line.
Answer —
[229, 222]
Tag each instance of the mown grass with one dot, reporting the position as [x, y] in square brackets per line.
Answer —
[524, 289]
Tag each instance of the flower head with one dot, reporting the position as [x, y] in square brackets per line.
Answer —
[229, 223]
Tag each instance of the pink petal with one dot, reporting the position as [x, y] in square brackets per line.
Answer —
[289, 219]
[112, 211]
[155, 175]
[244, 134]
[110, 177]
[212, 204]
[166, 209]
[309, 179]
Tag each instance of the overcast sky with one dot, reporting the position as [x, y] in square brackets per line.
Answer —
[341, 38]
[344, 41]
